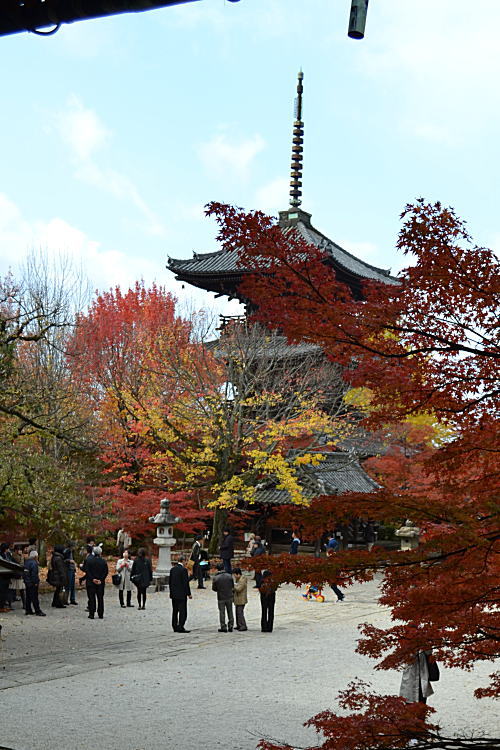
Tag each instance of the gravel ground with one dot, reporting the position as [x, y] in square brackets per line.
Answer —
[128, 683]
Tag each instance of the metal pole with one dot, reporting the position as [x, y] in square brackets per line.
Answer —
[357, 19]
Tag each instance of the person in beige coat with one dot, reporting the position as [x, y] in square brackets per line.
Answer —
[240, 598]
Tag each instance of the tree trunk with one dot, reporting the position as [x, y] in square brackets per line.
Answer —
[317, 547]
[218, 525]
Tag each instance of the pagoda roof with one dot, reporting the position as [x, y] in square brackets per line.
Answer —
[337, 474]
[204, 268]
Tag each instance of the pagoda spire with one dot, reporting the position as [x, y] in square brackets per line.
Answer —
[297, 148]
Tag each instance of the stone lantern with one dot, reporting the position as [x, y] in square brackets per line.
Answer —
[408, 535]
[165, 540]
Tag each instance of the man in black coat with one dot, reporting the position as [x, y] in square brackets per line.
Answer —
[58, 575]
[32, 579]
[96, 570]
[180, 592]
[226, 550]
[267, 590]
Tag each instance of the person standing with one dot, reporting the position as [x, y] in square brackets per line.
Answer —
[267, 601]
[123, 541]
[294, 546]
[141, 575]
[331, 548]
[251, 540]
[4, 581]
[70, 563]
[198, 571]
[96, 570]
[223, 584]
[369, 535]
[226, 550]
[17, 585]
[180, 592]
[87, 552]
[57, 576]
[32, 581]
[240, 598]
[124, 568]
[257, 550]
[415, 682]
[32, 545]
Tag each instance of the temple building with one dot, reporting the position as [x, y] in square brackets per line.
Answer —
[221, 273]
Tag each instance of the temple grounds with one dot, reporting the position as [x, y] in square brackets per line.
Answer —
[129, 683]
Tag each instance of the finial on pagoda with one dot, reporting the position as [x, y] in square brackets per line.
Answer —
[297, 148]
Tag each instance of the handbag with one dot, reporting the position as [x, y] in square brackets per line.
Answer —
[433, 670]
[116, 579]
[51, 578]
[136, 579]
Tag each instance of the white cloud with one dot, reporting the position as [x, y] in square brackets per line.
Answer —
[15, 234]
[87, 41]
[441, 58]
[372, 254]
[104, 267]
[81, 129]
[273, 196]
[227, 158]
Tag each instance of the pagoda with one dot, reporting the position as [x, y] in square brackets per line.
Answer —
[222, 273]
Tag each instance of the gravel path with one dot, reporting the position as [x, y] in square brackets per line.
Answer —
[128, 683]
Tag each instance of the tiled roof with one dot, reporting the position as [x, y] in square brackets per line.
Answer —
[337, 474]
[342, 258]
[226, 262]
[364, 444]
[276, 347]
[208, 264]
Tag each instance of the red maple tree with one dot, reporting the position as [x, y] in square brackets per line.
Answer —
[118, 348]
[425, 344]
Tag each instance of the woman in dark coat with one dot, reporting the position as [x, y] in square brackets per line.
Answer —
[267, 590]
[58, 575]
[141, 575]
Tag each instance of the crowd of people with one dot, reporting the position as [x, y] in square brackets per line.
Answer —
[24, 581]
[135, 573]
[62, 574]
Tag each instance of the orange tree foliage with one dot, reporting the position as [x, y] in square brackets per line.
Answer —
[179, 415]
[426, 345]
[119, 346]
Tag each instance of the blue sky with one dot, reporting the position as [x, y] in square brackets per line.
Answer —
[115, 132]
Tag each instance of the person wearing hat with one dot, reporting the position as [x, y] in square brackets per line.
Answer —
[96, 570]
